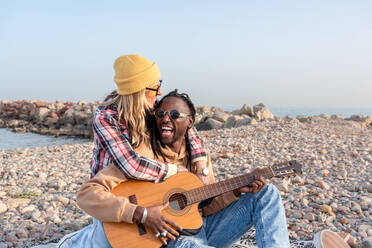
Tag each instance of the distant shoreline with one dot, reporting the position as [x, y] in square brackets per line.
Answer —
[311, 111]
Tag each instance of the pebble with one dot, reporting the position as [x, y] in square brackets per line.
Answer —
[367, 243]
[3, 208]
[28, 209]
[309, 216]
[39, 184]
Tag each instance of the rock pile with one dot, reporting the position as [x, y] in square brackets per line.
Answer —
[214, 118]
[75, 119]
[59, 118]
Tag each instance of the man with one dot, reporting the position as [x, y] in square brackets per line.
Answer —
[226, 217]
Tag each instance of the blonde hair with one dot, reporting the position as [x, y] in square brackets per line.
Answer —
[132, 111]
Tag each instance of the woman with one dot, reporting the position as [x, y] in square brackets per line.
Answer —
[119, 125]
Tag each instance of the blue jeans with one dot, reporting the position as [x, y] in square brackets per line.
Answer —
[264, 210]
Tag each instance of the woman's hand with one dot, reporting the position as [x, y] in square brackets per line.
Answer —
[158, 223]
[202, 164]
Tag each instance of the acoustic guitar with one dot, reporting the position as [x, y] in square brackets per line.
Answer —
[183, 191]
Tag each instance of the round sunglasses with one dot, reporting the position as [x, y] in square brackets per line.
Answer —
[156, 90]
[174, 114]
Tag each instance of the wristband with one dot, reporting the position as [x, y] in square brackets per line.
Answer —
[144, 215]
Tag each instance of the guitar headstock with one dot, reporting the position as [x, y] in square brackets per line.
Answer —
[288, 168]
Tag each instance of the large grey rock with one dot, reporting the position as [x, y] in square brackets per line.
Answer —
[82, 117]
[203, 109]
[209, 124]
[261, 112]
[304, 119]
[337, 117]
[41, 114]
[242, 122]
[220, 116]
[246, 110]
[230, 122]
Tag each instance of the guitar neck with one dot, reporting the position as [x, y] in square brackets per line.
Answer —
[211, 190]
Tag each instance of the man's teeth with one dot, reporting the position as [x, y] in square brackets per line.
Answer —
[166, 129]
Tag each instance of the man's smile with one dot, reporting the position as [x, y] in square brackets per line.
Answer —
[166, 131]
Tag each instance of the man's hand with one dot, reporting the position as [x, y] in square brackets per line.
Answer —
[258, 183]
[158, 223]
[202, 164]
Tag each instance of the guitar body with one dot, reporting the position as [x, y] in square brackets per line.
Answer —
[149, 194]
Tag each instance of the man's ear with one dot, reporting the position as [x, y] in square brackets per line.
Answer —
[191, 122]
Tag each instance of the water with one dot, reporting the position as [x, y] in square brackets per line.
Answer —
[307, 111]
[10, 140]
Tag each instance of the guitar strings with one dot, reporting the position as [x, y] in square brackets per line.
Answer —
[231, 184]
[203, 190]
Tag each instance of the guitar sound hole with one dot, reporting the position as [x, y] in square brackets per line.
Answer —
[177, 201]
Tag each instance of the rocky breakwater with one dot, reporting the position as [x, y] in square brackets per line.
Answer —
[75, 119]
[59, 118]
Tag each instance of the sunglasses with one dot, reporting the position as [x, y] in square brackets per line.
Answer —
[174, 114]
[156, 89]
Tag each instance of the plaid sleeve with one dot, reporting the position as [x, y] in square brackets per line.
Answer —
[123, 156]
[196, 146]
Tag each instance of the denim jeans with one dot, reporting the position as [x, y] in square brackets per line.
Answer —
[264, 210]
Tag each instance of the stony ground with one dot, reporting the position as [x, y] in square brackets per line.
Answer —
[38, 185]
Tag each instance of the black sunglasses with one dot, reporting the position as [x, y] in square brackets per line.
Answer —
[157, 89]
[174, 114]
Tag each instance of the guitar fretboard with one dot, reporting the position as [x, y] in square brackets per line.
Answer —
[208, 191]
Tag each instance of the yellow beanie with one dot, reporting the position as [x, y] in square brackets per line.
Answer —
[134, 73]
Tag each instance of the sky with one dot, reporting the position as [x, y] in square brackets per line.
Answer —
[222, 53]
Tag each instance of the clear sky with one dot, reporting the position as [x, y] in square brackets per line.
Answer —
[223, 53]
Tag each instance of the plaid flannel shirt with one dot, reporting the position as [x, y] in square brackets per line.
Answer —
[112, 143]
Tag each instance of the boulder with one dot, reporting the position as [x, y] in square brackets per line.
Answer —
[13, 123]
[230, 122]
[41, 114]
[209, 124]
[304, 119]
[203, 109]
[243, 122]
[337, 117]
[221, 116]
[216, 109]
[261, 112]
[49, 121]
[59, 105]
[82, 117]
[68, 116]
[246, 110]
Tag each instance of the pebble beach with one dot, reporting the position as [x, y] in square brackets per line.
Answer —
[38, 185]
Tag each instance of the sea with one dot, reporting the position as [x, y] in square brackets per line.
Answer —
[10, 140]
